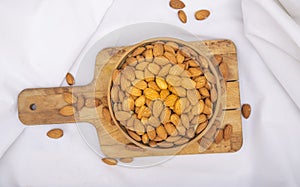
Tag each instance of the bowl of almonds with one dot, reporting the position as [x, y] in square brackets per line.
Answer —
[164, 94]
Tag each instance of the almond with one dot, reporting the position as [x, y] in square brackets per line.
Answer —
[227, 132]
[69, 98]
[171, 129]
[151, 94]
[67, 110]
[139, 75]
[165, 70]
[185, 120]
[110, 161]
[138, 51]
[128, 73]
[161, 83]
[175, 119]
[219, 136]
[246, 110]
[204, 92]
[161, 60]
[135, 91]
[140, 101]
[171, 57]
[178, 108]
[181, 130]
[152, 143]
[161, 132]
[165, 115]
[170, 100]
[133, 135]
[180, 58]
[213, 94]
[177, 4]
[164, 94]
[224, 70]
[192, 96]
[154, 68]
[188, 83]
[55, 133]
[157, 108]
[151, 133]
[201, 127]
[154, 121]
[158, 49]
[70, 79]
[141, 66]
[200, 82]
[173, 45]
[148, 55]
[165, 144]
[131, 61]
[173, 80]
[176, 70]
[153, 86]
[169, 49]
[122, 115]
[145, 139]
[190, 133]
[182, 16]
[202, 14]
[193, 63]
[125, 84]
[126, 160]
[141, 85]
[195, 72]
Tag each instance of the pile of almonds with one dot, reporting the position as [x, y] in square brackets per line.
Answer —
[164, 94]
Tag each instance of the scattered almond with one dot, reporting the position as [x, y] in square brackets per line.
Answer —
[202, 14]
[182, 16]
[110, 161]
[176, 4]
[67, 110]
[70, 79]
[227, 132]
[55, 133]
[246, 110]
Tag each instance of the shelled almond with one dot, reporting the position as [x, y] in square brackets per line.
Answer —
[167, 94]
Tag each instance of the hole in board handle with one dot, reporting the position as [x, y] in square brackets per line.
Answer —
[32, 107]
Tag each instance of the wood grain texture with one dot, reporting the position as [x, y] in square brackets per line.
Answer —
[48, 101]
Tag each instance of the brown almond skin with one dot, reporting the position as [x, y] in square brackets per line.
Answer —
[202, 14]
[176, 4]
[70, 79]
[246, 110]
[67, 110]
[55, 133]
[182, 16]
[219, 136]
[126, 160]
[227, 132]
[110, 161]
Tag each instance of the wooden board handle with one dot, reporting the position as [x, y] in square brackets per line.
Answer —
[43, 105]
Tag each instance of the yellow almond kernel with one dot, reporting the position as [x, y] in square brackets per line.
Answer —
[161, 83]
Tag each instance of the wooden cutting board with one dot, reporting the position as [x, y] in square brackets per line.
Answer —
[49, 101]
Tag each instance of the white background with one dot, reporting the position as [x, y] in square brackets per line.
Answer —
[41, 40]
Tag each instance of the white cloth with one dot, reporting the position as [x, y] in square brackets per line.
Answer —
[40, 40]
